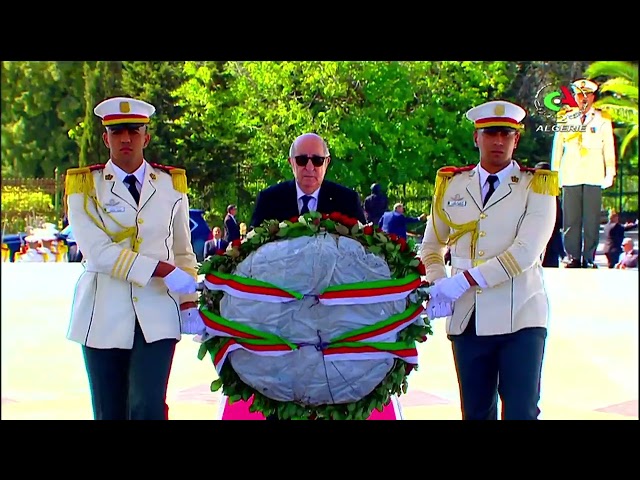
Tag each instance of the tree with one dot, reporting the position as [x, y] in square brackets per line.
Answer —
[618, 95]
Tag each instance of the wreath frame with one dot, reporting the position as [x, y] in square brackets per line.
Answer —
[400, 257]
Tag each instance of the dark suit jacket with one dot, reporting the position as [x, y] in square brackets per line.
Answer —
[210, 246]
[280, 202]
[231, 229]
[613, 237]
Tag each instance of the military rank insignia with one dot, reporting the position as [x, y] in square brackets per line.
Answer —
[108, 176]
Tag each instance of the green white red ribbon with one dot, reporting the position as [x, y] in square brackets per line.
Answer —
[371, 350]
[348, 346]
[393, 324]
[249, 288]
[259, 347]
[362, 293]
[242, 336]
[358, 293]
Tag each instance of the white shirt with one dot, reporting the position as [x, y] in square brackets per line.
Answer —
[139, 174]
[313, 203]
[484, 175]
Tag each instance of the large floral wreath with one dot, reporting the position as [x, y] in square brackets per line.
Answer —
[406, 271]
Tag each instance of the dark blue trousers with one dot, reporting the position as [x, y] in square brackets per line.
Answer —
[508, 365]
[130, 384]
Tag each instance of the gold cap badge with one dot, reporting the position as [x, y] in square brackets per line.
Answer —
[108, 176]
[499, 110]
[153, 176]
[514, 179]
[125, 107]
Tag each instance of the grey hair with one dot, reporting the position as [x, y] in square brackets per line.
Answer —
[292, 149]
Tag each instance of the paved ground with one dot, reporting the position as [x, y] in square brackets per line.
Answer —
[590, 370]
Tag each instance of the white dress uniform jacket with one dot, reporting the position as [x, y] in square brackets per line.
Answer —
[588, 157]
[504, 239]
[122, 243]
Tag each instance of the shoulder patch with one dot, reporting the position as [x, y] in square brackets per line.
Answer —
[178, 176]
[164, 168]
[450, 171]
[529, 169]
[81, 170]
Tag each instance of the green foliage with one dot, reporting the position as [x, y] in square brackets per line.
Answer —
[619, 97]
[21, 207]
[230, 124]
[614, 69]
[210, 145]
[391, 122]
[41, 101]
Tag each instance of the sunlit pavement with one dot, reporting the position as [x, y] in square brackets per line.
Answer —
[590, 369]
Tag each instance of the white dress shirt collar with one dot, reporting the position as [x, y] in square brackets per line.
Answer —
[313, 203]
[139, 173]
[502, 174]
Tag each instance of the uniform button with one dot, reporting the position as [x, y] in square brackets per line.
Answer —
[140, 221]
[481, 252]
[483, 215]
[482, 234]
[478, 291]
[135, 299]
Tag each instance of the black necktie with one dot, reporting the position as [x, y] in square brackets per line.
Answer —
[130, 180]
[305, 204]
[492, 179]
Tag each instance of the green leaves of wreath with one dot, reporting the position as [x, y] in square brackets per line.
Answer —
[402, 261]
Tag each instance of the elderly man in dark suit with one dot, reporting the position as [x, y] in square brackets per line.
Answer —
[309, 159]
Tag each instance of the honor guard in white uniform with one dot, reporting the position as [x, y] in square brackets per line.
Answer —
[496, 217]
[585, 159]
[130, 219]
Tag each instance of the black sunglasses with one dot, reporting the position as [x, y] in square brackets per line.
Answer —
[317, 160]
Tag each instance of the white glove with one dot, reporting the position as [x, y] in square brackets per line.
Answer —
[179, 281]
[439, 309]
[190, 322]
[450, 289]
[608, 181]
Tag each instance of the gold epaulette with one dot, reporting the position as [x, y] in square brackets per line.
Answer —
[545, 182]
[444, 176]
[80, 180]
[606, 115]
[178, 176]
